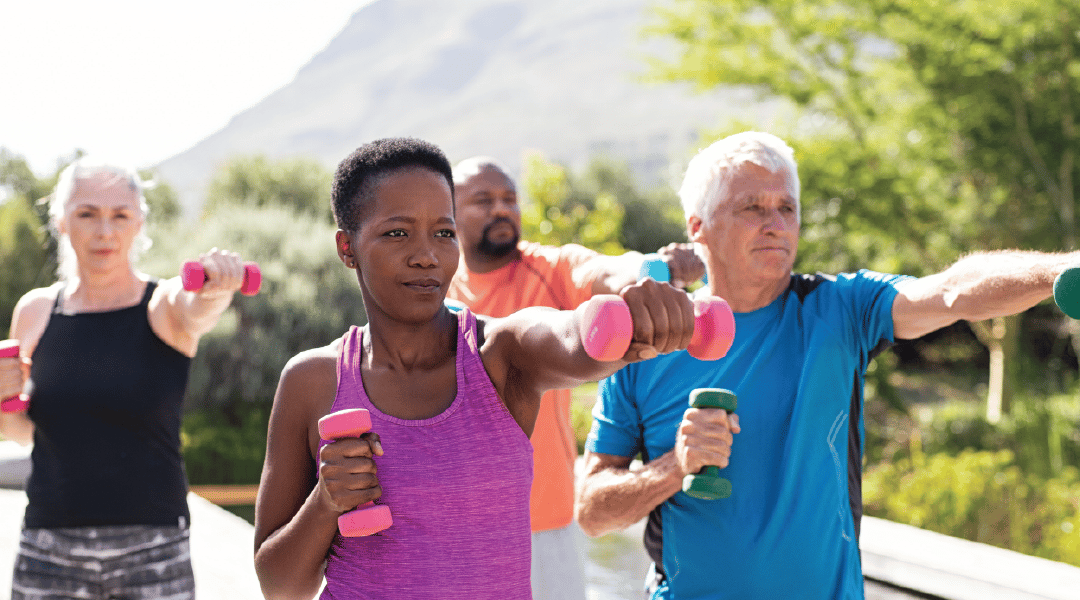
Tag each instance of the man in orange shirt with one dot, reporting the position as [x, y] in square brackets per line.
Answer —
[499, 274]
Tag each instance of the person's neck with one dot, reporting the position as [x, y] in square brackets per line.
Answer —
[103, 291]
[390, 344]
[748, 296]
[478, 262]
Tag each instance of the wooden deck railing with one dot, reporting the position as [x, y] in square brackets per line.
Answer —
[228, 495]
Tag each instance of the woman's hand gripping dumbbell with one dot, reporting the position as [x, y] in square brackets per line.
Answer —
[193, 275]
[18, 401]
[607, 327]
[367, 518]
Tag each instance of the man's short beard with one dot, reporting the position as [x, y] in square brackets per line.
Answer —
[491, 250]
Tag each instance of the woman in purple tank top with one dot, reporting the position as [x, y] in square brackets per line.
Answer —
[452, 399]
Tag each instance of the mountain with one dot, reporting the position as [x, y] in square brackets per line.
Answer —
[493, 77]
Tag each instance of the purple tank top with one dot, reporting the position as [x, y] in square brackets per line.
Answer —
[457, 485]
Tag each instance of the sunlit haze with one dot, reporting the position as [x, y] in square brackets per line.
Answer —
[137, 81]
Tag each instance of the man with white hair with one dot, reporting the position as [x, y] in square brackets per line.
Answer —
[499, 274]
[797, 367]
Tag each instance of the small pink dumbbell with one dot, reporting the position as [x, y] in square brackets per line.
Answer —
[607, 329]
[193, 276]
[367, 518]
[18, 402]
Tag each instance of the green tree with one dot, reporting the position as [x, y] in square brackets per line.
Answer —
[651, 218]
[553, 215]
[26, 250]
[924, 129]
[301, 184]
[162, 202]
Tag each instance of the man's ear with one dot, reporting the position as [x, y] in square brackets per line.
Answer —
[693, 229]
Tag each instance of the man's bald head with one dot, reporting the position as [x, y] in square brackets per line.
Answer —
[470, 167]
[488, 216]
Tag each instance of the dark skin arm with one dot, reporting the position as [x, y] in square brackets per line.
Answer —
[297, 509]
[538, 349]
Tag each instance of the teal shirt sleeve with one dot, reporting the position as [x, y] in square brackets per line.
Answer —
[616, 427]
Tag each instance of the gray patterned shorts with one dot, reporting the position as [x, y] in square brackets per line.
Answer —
[129, 562]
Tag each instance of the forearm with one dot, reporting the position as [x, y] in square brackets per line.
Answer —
[201, 310]
[613, 498]
[993, 284]
[290, 562]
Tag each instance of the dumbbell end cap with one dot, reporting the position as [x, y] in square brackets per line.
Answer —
[606, 327]
[704, 487]
[9, 348]
[15, 404]
[714, 398]
[714, 329]
[1067, 292]
[192, 276]
[365, 521]
[351, 422]
[252, 279]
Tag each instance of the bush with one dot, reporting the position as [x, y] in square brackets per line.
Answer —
[217, 451]
[980, 496]
[1042, 433]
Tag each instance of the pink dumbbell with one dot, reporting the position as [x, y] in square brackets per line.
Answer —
[18, 402]
[193, 276]
[367, 518]
[607, 329]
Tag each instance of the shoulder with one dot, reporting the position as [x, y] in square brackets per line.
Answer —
[862, 283]
[32, 312]
[39, 299]
[308, 384]
[313, 365]
[567, 252]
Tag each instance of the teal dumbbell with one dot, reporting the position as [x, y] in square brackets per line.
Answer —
[655, 267]
[707, 484]
[1067, 292]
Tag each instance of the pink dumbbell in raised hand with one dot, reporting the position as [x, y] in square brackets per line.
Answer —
[367, 518]
[193, 276]
[607, 328]
[18, 402]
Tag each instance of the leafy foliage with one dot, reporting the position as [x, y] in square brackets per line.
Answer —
[253, 181]
[27, 253]
[980, 496]
[601, 208]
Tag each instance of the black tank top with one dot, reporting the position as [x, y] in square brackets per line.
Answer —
[106, 405]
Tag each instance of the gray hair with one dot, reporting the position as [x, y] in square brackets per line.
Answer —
[81, 169]
[710, 172]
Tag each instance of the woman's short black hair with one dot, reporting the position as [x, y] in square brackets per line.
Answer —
[357, 175]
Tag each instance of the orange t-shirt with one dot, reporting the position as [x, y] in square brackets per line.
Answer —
[543, 277]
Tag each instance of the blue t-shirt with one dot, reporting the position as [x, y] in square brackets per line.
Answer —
[790, 527]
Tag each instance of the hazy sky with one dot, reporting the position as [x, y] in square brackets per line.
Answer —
[137, 81]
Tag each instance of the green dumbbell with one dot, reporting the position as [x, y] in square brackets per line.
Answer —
[707, 484]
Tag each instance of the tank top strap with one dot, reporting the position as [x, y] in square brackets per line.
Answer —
[349, 385]
[151, 284]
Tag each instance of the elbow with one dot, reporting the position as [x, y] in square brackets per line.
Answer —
[285, 584]
[586, 516]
